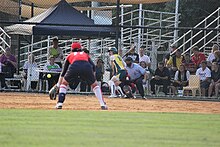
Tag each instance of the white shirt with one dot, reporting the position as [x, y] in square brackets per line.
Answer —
[211, 57]
[177, 73]
[144, 58]
[31, 69]
[28, 65]
[203, 74]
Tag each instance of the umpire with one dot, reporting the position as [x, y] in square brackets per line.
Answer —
[137, 75]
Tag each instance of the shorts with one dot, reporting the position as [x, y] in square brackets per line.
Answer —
[121, 75]
[205, 84]
[80, 70]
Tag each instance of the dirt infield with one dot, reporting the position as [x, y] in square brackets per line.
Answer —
[79, 102]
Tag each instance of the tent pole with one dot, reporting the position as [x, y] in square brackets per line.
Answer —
[48, 46]
[140, 24]
[32, 9]
[89, 45]
[20, 2]
[176, 21]
[19, 53]
[117, 24]
[30, 70]
[122, 29]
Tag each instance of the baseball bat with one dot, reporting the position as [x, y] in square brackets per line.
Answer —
[128, 51]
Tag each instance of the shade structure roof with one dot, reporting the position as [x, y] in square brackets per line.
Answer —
[26, 10]
[48, 3]
[65, 17]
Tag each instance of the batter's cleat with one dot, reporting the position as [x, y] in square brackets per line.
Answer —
[113, 96]
[104, 107]
[59, 106]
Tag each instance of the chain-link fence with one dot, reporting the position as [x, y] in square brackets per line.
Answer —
[42, 39]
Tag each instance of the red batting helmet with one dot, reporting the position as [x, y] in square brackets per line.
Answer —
[76, 46]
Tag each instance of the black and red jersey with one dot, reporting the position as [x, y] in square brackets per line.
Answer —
[77, 56]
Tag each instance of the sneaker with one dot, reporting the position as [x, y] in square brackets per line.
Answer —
[144, 98]
[59, 106]
[112, 96]
[104, 107]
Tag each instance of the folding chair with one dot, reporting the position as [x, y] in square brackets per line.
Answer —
[194, 85]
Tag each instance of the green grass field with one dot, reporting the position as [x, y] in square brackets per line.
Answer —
[102, 128]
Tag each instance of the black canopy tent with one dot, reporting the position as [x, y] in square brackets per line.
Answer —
[62, 19]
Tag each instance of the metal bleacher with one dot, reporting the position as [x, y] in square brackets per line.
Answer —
[204, 38]
[150, 38]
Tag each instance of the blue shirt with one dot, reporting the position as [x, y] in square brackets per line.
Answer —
[135, 71]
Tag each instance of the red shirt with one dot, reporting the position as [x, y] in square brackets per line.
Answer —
[77, 56]
[197, 60]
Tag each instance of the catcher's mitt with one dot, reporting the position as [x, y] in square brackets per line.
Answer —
[128, 91]
[53, 92]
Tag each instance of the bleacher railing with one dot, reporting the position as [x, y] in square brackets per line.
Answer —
[202, 38]
[5, 40]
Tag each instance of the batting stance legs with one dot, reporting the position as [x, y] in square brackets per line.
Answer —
[83, 70]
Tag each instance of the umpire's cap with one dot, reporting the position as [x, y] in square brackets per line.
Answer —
[76, 46]
[129, 59]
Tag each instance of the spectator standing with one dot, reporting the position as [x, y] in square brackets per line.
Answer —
[137, 74]
[51, 66]
[99, 71]
[217, 57]
[175, 61]
[31, 66]
[56, 52]
[205, 75]
[144, 66]
[131, 53]
[211, 56]
[167, 56]
[215, 80]
[198, 57]
[143, 57]
[189, 64]
[181, 78]
[161, 77]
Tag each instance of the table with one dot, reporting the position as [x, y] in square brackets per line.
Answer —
[46, 72]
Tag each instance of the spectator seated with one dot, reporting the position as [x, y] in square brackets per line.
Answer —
[161, 77]
[181, 79]
[214, 87]
[205, 75]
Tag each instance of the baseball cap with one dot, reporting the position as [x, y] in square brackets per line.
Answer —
[128, 59]
[76, 45]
